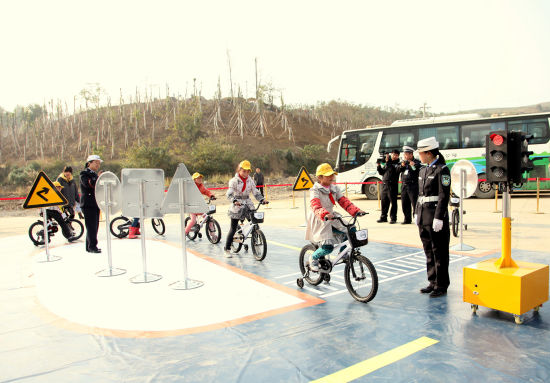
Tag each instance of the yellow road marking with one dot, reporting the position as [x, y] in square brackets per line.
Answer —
[366, 367]
[284, 245]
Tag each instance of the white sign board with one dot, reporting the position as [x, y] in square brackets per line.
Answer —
[193, 199]
[108, 183]
[142, 186]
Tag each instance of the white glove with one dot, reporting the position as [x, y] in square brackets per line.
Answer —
[437, 225]
[416, 219]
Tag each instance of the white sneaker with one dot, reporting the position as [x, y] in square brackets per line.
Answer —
[313, 264]
[227, 253]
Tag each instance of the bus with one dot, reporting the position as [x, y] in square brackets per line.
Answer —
[459, 137]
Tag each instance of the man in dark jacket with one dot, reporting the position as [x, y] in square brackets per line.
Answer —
[259, 180]
[389, 170]
[70, 190]
[409, 169]
[88, 178]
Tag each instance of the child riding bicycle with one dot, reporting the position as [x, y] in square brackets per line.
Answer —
[322, 229]
[198, 178]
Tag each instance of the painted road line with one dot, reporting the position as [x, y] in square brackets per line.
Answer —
[413, 272]
[403, 256]
[288, 275]
[284, 245]
[385, 271]
[391, 267]
[412, 261]
[366, 367]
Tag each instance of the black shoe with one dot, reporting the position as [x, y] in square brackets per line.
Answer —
[382, 220]
[94, 251]
[392, 222]
[437, 293]
[426, 290]
[406, 223]
[72, 239]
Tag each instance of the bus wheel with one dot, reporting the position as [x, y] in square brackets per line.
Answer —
[484, 188]
[370, 190]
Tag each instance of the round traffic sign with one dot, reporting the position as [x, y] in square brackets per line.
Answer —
[107, 193]
[470, 178]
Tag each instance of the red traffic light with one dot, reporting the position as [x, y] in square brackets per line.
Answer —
[497, 139]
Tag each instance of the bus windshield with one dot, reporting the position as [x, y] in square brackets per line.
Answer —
[356, 149]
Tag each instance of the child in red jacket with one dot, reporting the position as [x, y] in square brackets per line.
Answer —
[198, 178]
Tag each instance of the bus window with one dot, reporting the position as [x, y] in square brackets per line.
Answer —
[348, 153]
[389, 141]
[473, 136]
[447, 136]
[537, 128]
[406, 138]
[366, 146]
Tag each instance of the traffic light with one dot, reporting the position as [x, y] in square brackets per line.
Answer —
[518, 156]
[496, 156]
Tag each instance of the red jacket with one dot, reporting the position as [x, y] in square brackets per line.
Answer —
[204, 190]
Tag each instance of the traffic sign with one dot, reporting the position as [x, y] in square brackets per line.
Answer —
[44, 194]
[303, 181]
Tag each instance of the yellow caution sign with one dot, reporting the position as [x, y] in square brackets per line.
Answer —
[303, 181]
[44, 194]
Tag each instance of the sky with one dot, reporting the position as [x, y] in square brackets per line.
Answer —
[451, 55]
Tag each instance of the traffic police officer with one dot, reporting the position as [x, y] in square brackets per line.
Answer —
[409, 169]
[390, 180]
[432, 216]
[88, 178]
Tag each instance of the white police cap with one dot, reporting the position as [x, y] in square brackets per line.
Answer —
[94, 157]
[427, 144]
[408, 149]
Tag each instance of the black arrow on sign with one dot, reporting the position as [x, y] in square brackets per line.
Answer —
[44, 190]
[305, 181]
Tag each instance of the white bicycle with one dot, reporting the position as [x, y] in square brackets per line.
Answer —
[359, 273]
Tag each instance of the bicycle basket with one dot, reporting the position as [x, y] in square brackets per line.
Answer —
[258, 217]
[211, 209]
[455, 201]
[359, 238]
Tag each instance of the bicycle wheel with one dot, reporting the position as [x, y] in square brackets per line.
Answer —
[120, 226]
[36, 233]
[213, 231]
[158, 225]
[236, 246]
[455, 218]
[361, 278]
[259, 245]
[77, 228]
[194, 230]
[312, 277]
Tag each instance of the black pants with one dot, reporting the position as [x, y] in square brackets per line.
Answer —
[409, 196]
[261, 189]
[389, 196]
[436, 248]
[91, 220]
[231, 233]
[65, 229]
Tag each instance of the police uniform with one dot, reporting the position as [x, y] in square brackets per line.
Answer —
[88, 179]
[390, 182]
[432, 218]
[409, 185]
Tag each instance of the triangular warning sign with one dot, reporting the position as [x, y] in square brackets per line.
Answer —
[303, 181]
[44, 194]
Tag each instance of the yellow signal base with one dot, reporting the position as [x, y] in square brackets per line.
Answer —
[514, 290]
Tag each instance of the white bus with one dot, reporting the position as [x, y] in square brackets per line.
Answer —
[459, 136]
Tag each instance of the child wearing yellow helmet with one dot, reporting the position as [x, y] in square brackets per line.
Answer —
[322, 229]
[198, 178]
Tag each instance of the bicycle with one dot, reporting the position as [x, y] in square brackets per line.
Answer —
[213, 230]
[358, 268]
[120, 226]
[36, 230]
[251, 230]
[455, 215]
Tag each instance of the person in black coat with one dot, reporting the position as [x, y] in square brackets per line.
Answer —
[259, 180]
[432, 216]
[409, 169]
[70, 191]
[88, 203]
[389, 170]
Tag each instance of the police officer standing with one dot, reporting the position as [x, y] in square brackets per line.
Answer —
[88, 179]
[389, 170]
[432, 216]
[409, 169]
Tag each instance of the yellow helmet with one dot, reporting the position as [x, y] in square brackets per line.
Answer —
[197, 175]
[325, 170]
[245, 165]
[57, 184]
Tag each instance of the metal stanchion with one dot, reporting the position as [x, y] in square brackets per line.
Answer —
[305, 211]
[496, 202]
[538, 196]
[265, 196]
[293, 201]
[49, 258]
[346, 189]
[461, 246]
[378, 190]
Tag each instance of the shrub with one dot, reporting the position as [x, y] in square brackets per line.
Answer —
[150, 157]
[210, 156]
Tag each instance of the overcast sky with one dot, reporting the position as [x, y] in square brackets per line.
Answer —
[453, 55]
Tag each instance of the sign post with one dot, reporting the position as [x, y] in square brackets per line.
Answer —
[40, 197]
[107, 195]
[303, 182]
[182, 197]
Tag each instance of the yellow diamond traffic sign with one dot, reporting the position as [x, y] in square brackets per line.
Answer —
[43, 194]
[303, 181]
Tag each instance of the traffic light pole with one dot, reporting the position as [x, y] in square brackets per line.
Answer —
[506, 244]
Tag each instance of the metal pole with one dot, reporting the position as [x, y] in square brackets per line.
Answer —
[346, 189]
[305, 211]
[378, 190]
[505, 259]
[49, 257]
[538, 194]
[461, 246]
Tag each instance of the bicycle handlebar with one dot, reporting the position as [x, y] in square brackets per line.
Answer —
[352, 222]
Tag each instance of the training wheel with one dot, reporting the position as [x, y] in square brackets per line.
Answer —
[300, 282]
[245, 247]
[536, 309]
[200, 235]
[518, 319]
[474, 308]
[327, 278]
